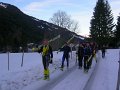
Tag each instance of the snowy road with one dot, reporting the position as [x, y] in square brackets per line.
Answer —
[71, 79]
[92, 77]
[76, 80]
[101, 76]
[106, 74]
[56, 81]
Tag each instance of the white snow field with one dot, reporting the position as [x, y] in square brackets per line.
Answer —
[106, 75]
[102, 75]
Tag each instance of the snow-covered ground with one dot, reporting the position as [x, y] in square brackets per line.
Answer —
[30, 76]
[106, 75]
[18, 77]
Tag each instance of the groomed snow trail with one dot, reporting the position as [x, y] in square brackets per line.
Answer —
[106, 73]
[71, 79]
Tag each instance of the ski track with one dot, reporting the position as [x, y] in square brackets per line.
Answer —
[50, 85]
[55, 77]
[92, 76]
[80, 79]
[28, 78]
[32, 79]
[56, 83]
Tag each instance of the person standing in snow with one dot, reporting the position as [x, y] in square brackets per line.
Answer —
[47, 56]
[103, 51]
[87, 56]
[80, 54]
[66, 49]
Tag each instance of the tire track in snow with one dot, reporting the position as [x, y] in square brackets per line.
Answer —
[92, 76]
[0, 87]
[50, 85]
[57, 80]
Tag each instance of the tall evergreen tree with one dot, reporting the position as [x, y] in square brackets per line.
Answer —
[102, 23]
[118, 30]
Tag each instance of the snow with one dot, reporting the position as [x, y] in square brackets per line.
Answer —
[56, 28]
[30, 60]
[18, 77]
[47, 24]
[107, 72]
[42, 27]
[49, 29]
[3, 5]
[36, 19]
[79, 37]
[101, 76]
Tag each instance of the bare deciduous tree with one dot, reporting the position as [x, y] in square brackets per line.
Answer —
[61, 19]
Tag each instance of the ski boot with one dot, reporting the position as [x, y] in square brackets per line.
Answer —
[46, 74]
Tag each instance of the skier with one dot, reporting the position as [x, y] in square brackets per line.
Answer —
[66, 49]
[103, 51]
[87, 56]
[80, 54]
[47, 56]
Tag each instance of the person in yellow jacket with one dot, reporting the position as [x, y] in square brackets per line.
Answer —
[47, 56]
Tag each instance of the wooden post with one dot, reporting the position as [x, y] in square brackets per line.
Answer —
[22, 58]
[118, 81]
[8, 61]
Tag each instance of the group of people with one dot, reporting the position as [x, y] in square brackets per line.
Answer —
[47, 56]
[85, 53]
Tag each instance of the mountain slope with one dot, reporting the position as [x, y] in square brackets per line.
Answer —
[18, 29]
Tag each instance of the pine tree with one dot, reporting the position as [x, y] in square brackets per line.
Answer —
[118, 30]
[102, 23]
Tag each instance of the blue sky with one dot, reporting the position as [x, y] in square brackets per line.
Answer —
[80, 10]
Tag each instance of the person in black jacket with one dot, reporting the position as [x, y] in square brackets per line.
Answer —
[66, 49]
[47, 56]
[103, 51]
[80, 54]
[87, 54]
